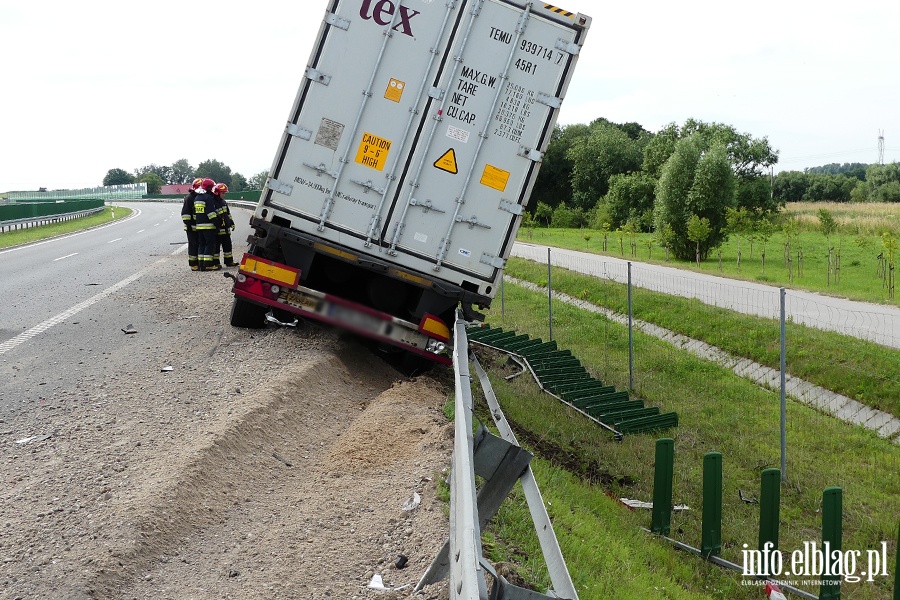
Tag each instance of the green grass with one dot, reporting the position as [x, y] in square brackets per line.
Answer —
[34, 234]
[867, 372]
[579, 465]
[857, 278]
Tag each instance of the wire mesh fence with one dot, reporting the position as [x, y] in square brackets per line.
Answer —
[841, 382]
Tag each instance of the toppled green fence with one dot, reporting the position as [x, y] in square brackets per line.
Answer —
[563, 375]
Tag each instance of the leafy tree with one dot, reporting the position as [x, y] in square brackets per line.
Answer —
[737, 223]
[672, 189]
[698, 230]
[238, 183]
[118, 177]
[664, 236]
[543, 213]
[764, 230]
[563, 217]
[181, 172]
[790, 186]
[695, 183]
[163, 173]
[553, 184]
[154, 182]
[604, 152]
[215, 170]
[827, 221]
[630, 196]
[258, 181]
[659, 149]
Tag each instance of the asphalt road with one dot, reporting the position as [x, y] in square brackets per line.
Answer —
[874, 322]
[62, 311]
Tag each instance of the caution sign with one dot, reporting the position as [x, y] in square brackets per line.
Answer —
[373, 151]
[394, 90]
[495, 178]
[447, 162]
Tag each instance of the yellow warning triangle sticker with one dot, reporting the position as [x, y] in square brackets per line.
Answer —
[447, 162]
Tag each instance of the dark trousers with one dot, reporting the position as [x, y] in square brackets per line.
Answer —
[193, 247]
[225, 243]
[208, 248]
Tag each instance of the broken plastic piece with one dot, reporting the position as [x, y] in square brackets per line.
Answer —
[649, 505]
[129, 329]
[167, 369]
[413, 503]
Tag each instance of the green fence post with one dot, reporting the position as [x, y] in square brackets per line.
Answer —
[712, 505]
[662, 486]
[832, 513]
[897, 568]
[769, 508]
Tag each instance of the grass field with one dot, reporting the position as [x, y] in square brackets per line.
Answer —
[33, 234]
[581, 469]
[853, 251]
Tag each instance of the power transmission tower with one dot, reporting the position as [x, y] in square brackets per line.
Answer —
[880, 147]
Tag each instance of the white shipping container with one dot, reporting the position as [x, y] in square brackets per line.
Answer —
[418, 131]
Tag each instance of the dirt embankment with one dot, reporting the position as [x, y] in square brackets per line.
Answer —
[267, 464]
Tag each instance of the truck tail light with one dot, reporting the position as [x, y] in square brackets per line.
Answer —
[434, 327]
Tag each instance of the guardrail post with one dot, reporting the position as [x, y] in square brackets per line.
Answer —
[769, 508]
[662, 486]
[832, 537]
[711, 526]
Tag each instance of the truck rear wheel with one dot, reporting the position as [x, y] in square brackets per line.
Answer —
[247, 314]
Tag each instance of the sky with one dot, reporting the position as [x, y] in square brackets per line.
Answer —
[90, 86]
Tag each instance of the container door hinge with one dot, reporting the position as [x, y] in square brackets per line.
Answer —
[494, 261]
[568, 47]
[368, 185]
[318, 76]
[472, 222]
[337, 21]
[551, 101]
[426, 206]
[535, 155]
[282, 188]
[436, 93]
[298, 132]
[321, 169]
[511, 207]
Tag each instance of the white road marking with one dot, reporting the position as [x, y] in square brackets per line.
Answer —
[142, 231]
[42, 327]
[66, 256]
[115, 240]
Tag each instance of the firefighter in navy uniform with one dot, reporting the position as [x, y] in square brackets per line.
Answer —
[226, 226]
[190, 226]
[206, 217]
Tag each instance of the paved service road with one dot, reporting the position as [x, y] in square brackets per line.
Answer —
[875, 322]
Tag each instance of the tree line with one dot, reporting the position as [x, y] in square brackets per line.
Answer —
[181, 171]
[690, 184]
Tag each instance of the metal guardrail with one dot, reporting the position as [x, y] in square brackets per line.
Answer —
[15, 224]
[500, 462]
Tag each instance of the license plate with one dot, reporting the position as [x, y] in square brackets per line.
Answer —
[299, 300]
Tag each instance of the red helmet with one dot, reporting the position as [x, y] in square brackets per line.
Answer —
[196, 183]
[220, 190]
[208, 184]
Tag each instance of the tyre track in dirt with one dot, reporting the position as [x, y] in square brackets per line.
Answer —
[177, 484]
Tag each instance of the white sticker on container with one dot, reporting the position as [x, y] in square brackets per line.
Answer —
[460, 135]
[421, 237]
[464, 252]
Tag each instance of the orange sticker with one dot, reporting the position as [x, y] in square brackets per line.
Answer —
[447, 162]
[495, 178]
[394, 90]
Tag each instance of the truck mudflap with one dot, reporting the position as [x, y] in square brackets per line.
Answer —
[273, 284]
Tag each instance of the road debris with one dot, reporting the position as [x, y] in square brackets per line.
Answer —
[129, 329]
[412, 503]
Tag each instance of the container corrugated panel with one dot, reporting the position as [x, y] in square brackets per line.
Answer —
[419, 127]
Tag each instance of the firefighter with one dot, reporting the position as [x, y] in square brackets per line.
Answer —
[190, 226]
[206, 216]
[226, 226]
